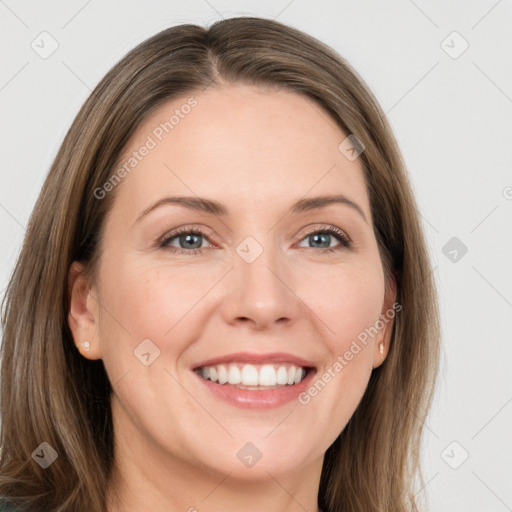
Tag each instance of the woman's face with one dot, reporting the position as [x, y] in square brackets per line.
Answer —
[259, 275]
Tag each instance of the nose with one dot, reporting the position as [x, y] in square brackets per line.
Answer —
[260, 293]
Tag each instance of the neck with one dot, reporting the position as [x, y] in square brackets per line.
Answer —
[132, 490]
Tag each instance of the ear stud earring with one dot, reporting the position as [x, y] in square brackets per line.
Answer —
[85, 344]
[381, 347]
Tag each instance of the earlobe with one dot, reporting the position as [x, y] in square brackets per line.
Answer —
[380, 353]
[387, 320]
[82, 313]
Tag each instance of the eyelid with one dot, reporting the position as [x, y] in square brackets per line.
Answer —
[186, 228]
[329, 228]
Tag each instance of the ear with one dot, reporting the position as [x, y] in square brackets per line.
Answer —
[386, 321]
[83, 312]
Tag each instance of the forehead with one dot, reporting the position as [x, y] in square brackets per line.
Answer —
[244, 146]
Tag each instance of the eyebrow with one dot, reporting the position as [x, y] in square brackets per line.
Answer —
[213, 207]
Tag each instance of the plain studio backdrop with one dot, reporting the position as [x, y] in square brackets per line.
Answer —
[442, 73]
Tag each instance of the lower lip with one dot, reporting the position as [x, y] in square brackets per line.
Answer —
[257, 399]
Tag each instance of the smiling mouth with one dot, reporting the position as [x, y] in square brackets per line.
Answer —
[254, 376]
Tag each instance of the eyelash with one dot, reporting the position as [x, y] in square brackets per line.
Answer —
[345, 242]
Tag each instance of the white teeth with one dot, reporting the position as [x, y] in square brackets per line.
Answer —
[249, 375]
[234, 375]
[222, 374]
[282, 376]
[291, 375]
[266, 375]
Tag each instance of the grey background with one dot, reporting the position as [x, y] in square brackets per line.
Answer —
[452, 116]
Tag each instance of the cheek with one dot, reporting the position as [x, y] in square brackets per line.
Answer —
[348, 301]
[351, 305]
[150, 302]
[359, 308]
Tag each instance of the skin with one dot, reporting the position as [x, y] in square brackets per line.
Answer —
[255, 151]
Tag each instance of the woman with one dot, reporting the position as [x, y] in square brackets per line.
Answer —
[174, 339]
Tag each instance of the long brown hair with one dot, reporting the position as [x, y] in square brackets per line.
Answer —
[50, 393]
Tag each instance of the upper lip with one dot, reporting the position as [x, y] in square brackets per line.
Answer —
[255, 358]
